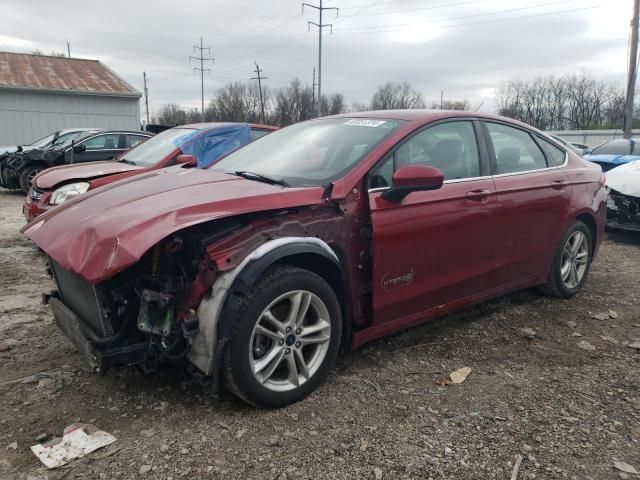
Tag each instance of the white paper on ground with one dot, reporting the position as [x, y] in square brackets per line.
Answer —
[77, 441]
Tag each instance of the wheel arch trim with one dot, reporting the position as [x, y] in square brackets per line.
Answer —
[207, 346]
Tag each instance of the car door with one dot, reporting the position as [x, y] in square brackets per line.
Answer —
[433, 247]
[533, 194]
[100, 147]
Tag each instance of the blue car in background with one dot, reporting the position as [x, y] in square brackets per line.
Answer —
[614, 153]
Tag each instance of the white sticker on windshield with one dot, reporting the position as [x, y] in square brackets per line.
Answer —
[365, 123]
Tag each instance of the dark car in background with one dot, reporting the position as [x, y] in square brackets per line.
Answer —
[614, 153]
[19, 168]
[46, 141]
[205, 142]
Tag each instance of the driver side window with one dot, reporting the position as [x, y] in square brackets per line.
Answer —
[450, 147]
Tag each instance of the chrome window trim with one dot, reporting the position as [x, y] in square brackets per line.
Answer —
[461, 180]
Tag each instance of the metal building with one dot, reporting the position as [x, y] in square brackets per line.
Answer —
[40, 94]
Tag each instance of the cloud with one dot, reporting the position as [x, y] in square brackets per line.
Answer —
[465, 48]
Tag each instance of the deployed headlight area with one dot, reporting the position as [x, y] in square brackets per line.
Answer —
[67, 192]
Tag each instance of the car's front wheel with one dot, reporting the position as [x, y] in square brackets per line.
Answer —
[27, 175]
[571, 262]
[285, 339]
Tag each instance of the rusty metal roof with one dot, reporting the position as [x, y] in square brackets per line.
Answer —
[72, 75]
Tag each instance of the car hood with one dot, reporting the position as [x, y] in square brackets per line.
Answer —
[109, 229]
[612, 159]
[625, 179]
[85, 171]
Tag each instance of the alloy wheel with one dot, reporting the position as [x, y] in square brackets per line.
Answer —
[290, 340]
[575, 258]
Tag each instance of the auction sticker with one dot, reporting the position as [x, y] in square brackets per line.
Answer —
[365, 123]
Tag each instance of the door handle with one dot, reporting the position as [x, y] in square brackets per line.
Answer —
[558, 184]
[478, 195]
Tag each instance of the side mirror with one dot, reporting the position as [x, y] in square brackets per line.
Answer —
[79, 148]
[187, 161]
[413, 178]
[588, 151]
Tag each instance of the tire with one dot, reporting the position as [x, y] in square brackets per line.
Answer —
[258, 363]
[563, 283]
[27, 174]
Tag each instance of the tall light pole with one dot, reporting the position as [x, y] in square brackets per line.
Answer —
[258, 70]
[320, 26]
[201, 58]
[632, 71]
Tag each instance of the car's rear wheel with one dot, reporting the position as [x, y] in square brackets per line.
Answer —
[571, 262]
[27, 175]
[285, 339]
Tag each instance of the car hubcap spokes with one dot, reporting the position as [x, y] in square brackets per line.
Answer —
[31, 176]
[290, 340]
[575, 256]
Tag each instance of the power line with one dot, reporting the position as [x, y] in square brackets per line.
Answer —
[258, 70]
[320, 26]
[201, 59]
[498, 20]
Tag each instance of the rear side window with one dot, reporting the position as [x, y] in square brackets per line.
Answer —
[555, 155]
[133, 140]
[515, 150]
[104, 142]
[256, 134]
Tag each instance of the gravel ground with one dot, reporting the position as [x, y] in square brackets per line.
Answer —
[549, 383]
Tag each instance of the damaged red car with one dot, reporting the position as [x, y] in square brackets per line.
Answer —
[323, 235]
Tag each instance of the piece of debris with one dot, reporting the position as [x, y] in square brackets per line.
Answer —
[460, 375]
[586, 345]
[529, 333]
[377, 473]
[609, 339]
[144, 469]
[147, 433]
[601, 316]
[625, 467]
[571, 324]
[516, 467]
[78, 440]
[241, 432]
[635, 345]
[43, 437]
[576, 334]
[224, 425]
[613, 314]
[12, 446]
[363, 445]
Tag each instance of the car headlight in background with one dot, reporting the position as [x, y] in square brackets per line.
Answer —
[68, 192]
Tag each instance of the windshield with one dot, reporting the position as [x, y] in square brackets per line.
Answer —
[43, 142]
[65, 139]
[616, 147]
[156, 148]
[310, 153]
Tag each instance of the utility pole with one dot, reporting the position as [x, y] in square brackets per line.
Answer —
[201, 58]
[632, 71]
[259, 78]
[146, 96]
[313, 89]
[441, 99]
[320, 26]
[68, 49]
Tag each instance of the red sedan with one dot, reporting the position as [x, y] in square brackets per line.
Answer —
[56, 185]
[326, 234]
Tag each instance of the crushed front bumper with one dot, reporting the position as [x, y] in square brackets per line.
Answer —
[623, 211]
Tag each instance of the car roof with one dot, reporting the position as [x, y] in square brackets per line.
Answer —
[425, 115]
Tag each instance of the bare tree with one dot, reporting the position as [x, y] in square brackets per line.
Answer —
[394, 95]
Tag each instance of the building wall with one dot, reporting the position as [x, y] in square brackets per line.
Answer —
[26, 116]
[591, 138]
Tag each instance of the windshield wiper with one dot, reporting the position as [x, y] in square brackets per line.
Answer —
[128, 162]
[260, 178]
